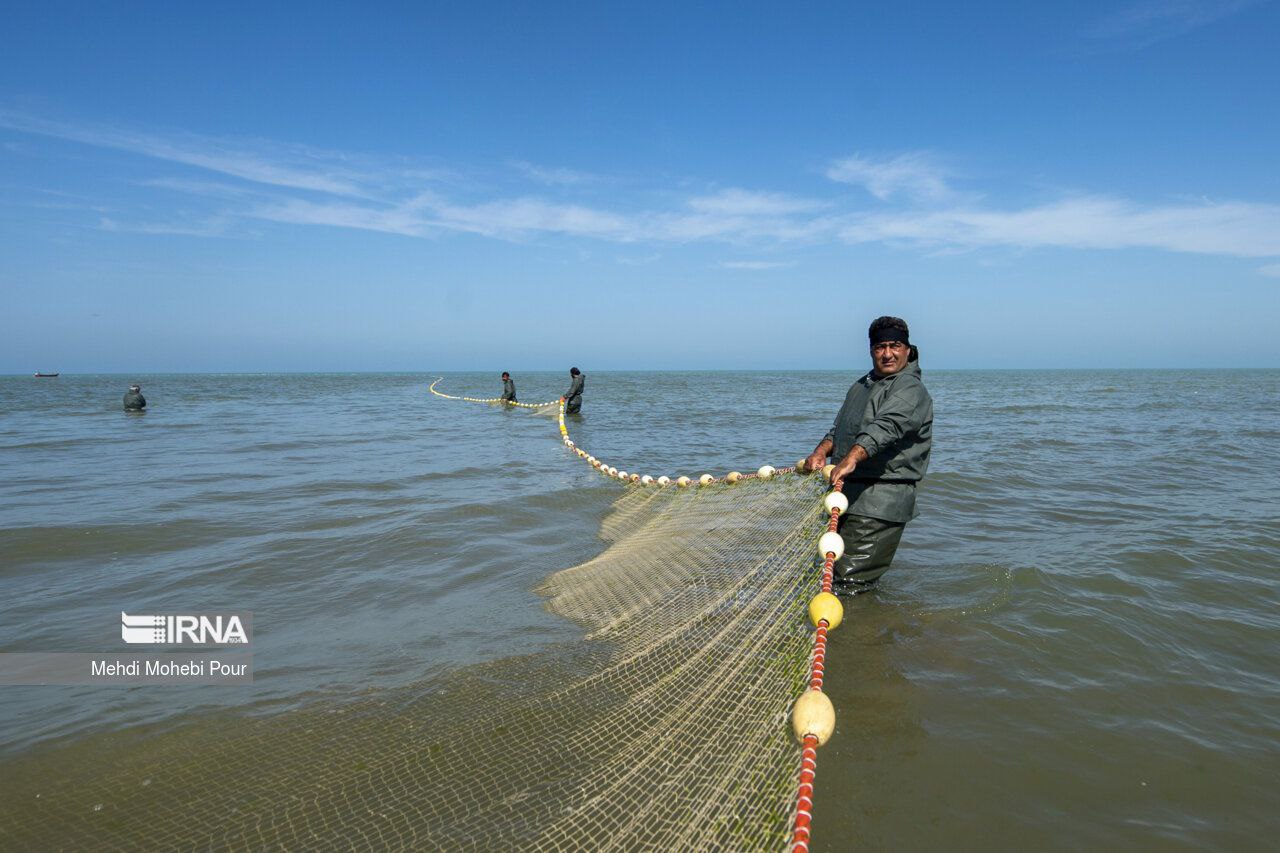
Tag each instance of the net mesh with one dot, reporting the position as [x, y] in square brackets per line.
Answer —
[665, 727]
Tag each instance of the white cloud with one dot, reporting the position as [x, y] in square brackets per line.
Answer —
[211, 228]
[1271, 270]
[1143, 23]
[519, 216]
[552, 175]
[639, 260]
[204, 188]
[1228, 228]
[739, 202]
[293, 167]
[396, 220]
[914, 175]
[295, 185]
[754, 265]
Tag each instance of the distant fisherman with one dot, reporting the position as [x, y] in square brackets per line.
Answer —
[573, 398]
[134, 401]
[508, 389]
[880, 445]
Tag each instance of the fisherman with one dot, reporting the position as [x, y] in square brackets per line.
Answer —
[880, 444]
[573, 399]
[508, 389]
[134, 401]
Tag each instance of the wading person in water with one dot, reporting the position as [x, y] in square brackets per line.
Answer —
[133, 400]
[508, 388]
[880, 446]
[573, 397]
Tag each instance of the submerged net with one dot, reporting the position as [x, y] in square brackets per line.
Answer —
[666, 727]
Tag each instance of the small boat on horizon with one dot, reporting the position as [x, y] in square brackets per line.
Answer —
[40, 375]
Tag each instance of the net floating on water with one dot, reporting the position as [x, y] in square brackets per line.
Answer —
[667, 727]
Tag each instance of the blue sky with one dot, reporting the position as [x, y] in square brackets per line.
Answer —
[737, 185]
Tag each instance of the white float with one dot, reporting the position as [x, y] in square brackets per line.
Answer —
[831, 543]
[836, 500]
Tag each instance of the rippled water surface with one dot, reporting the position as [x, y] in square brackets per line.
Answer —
[1078, 645]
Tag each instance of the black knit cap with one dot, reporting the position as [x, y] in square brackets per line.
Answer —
[884, 329]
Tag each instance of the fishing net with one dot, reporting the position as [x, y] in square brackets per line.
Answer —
[666, 727]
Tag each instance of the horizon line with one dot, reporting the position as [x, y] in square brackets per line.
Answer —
[61, 374]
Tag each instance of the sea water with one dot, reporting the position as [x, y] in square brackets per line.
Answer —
[1078, 644]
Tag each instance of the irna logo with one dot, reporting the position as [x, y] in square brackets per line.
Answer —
[213, 629]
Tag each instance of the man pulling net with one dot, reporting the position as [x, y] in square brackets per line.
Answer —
[880, 445]
[573, 397]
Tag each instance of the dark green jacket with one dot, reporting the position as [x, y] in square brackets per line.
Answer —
[508, 390]
[134, 401]
[573, 399]
[892, 418]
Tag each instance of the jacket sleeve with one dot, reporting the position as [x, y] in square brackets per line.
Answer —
[901, 413]
[831, 433]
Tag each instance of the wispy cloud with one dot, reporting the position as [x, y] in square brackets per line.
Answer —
[519, 216]
[638, 260]
[915, 175]
[552, 175]
[1271, 270]
[202, 188]
[754, 265]
[294, 167]
[1229, 228]
[739, 202]
[1139, 24]
[402, 220]
[524, 217]
[917, 208]
[210, 228]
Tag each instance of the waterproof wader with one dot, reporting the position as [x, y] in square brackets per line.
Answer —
[573, 399]
[869, 546]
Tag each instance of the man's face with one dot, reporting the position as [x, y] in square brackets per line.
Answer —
[889, 357]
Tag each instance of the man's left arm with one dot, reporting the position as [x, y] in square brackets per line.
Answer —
[901, 412]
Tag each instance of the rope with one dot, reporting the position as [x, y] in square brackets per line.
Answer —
[813, 716]
[432, 389]
[811, 741]
[764, 472]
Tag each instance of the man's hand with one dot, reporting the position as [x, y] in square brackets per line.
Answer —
[843, 469]
[818, 458]
[846, 466]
